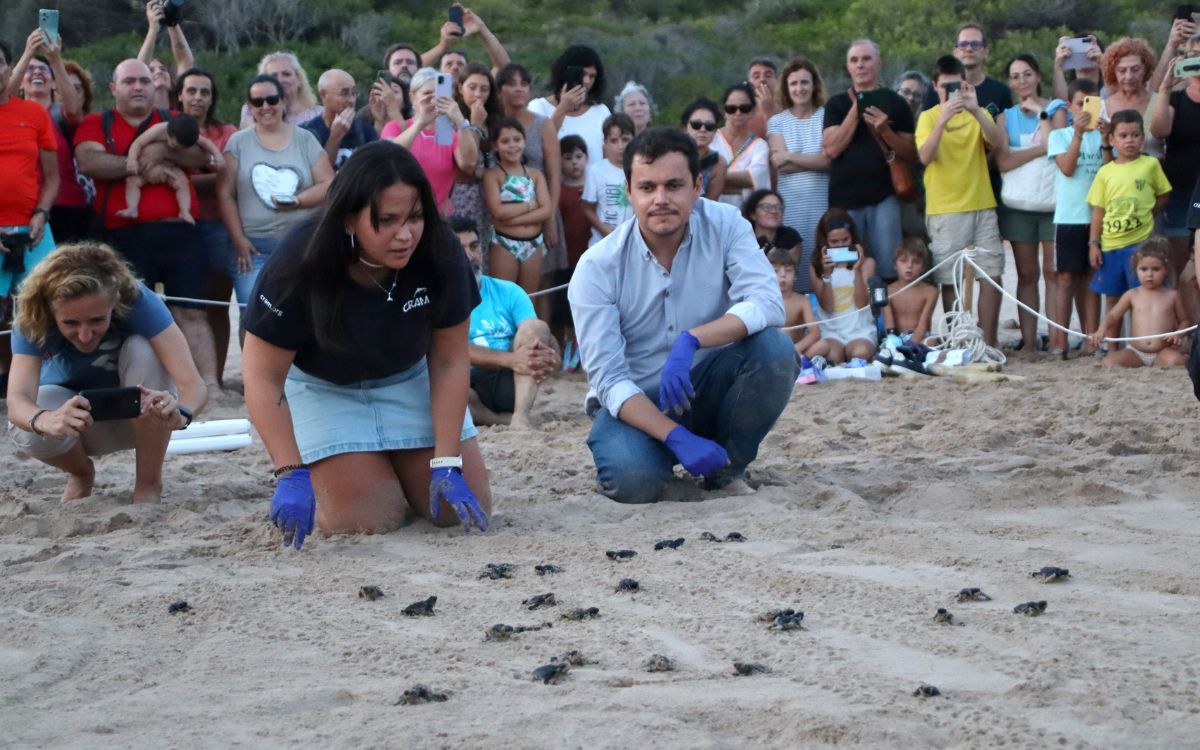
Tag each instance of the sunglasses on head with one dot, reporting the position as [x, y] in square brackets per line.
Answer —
[258, 101]
[745, 109]
[708, 125]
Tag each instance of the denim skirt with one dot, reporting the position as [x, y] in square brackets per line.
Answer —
[390, 414]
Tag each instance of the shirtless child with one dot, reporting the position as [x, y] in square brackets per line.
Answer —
[180, 132]
[1156, 310]
[796, 307]
[910, 314]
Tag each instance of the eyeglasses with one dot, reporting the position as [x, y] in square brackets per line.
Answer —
[258, 101]
[708, 125]
[745, 109]
[970, 44]
[771, 208]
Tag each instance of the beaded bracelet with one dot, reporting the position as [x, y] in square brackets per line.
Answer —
[285, 469]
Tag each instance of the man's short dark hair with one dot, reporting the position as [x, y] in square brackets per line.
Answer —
[948, 65]
[447, 53]
[387, 56]
[460, 223]
[652, 143]
[618, 120]
[7, 52]
[1086, 85]
[1126, 117]
[765, 61]
[972, 25]
[569, 143]
[184, 129]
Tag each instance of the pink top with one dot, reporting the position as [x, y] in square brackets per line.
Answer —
[437, 161]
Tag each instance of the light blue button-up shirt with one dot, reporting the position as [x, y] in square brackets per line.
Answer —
[628, 309]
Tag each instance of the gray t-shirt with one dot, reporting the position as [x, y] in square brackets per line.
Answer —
[264, 172]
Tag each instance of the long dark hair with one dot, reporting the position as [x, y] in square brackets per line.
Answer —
[210, 117]
[319, 278]
[582, 56]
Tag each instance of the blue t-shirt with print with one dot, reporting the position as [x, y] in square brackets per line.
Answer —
[1071, 206]
[63, 364]
[503, 306]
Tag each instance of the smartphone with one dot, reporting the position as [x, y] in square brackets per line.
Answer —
[443, 127]
[573, 76]
[1189, 68]
[456, 16]
[1079, 46]
[878, 98]
[286, 201]
[953, 90]
[1185, 12]
[384, 75]
[1091, 105]
[110, 404]
[843, 255]
[48, 22]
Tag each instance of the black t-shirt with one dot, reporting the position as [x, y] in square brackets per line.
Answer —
[1182, 164]
[382, 338]
[785, 238]
[993, 96]
[859, 177]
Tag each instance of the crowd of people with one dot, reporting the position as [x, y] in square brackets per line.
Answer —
[387, 249]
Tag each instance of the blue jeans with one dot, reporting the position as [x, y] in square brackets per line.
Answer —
[243, 283]
[880, 227]
[740, 391]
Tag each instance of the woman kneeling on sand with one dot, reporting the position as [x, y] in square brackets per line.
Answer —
[84, 322]
[356, 363]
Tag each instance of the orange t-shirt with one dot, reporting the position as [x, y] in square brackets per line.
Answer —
[158, 201]
[25, 131]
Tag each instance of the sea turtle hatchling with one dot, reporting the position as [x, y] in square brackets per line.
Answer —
[735, 536]
[580, 613]
[177, 607]
[418, 694]
[621, 555]
[502, 632]
[745, 668]
[552, 672]
[973, 595]
[629, 584]
[659, 663]
[1030, 609]
[708, 536]
[540, 600]
[945, 617]
[547, 569]
[496, 571]
[926, 691]
[370, 593]
[784, 619]
[423, 608]
[1050, 574]
[669, 544]
[572, 657]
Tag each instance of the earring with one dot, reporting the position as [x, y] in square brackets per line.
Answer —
[352, 240]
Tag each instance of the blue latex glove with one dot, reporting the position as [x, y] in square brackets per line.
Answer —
[447, 483]
[698, 455]
[675, 387]
[294, 506]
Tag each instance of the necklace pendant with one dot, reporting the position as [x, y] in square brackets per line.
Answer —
[389, 297]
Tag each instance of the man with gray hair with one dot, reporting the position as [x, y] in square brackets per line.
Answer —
[865, 128]
[336, 128]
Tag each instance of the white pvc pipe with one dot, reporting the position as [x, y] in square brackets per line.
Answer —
[205, 444]
[215, 427]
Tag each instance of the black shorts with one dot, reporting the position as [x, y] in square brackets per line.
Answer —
[560, 309]
[1071, 248]
[495, 388]
[170, 252]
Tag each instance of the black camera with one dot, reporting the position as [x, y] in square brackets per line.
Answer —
[17, 243]
[173, 12]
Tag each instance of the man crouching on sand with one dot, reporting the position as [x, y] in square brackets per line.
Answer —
[678, 307]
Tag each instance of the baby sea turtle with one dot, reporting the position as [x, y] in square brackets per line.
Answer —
[552, 672]
[370, 593]
[621, 555]
[745, 668]
[496, 571]
[708, 536]
[629, 584]
[659, 663]
[502, 632]
[579, 613]
[179, 606]
[572, 657]
[421, 608]
[926, 691]
[945, 617]
[973, 595]
[669, 544]
[1030, 609]
[547, 569]
[420, 694]
[783, 619]
[541, 600]
[1050, 574]
[734, 536]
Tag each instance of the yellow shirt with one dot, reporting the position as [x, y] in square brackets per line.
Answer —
[1127, 193]
[957, 179]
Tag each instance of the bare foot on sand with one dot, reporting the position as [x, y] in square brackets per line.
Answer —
[79, 486]
[147, 494]
[520, 422]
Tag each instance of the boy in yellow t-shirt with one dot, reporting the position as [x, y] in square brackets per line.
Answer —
[1125, 197]
[960, 208]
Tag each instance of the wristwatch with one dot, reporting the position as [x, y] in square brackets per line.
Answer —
[40, 210]
[187, 416]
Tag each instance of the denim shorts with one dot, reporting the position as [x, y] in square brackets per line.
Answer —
[390, 414]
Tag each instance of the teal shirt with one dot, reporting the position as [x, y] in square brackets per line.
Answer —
[502, 307]
[1071, 206]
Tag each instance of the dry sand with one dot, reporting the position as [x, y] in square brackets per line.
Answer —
[875, 504]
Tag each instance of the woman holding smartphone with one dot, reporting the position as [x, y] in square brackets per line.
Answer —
[84, 321]
[576, 102]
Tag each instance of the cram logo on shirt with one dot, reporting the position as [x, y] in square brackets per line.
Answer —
[420, 298]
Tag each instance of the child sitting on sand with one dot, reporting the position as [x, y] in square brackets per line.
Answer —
[910, 314]
[839, 272]
[180, 132]
[1156, 310]
[796, 308]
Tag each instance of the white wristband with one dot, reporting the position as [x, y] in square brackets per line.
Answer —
[449, 462]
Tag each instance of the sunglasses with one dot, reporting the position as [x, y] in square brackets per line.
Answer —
[745, 109]
[258, 101]
[970, 44]
[708, 125]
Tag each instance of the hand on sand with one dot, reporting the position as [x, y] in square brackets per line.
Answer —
[447, 483]
[294, 506]
[698, 455]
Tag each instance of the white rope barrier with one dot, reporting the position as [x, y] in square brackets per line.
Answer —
[558, 288]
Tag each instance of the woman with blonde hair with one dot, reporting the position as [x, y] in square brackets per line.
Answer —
[84, 321]
[302, 105]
